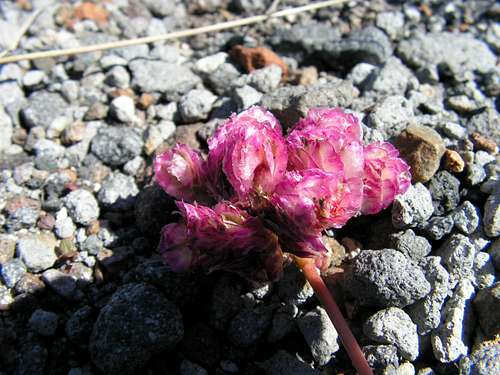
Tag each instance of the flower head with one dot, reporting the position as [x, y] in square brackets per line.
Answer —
[180, 172]
[385, 176]
[330, 140]
[250, 152]
[224, 237]
[316, 199]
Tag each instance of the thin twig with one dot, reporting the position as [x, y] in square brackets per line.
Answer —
[173, 35]
[23, 30]
[273, 7]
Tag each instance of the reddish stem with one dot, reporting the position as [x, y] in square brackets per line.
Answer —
[358, 359]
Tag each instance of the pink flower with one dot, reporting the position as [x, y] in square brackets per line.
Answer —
[180, 172]
[385, 176]
[316, 199]
[329, 139]
[251, 152]
[224, 237]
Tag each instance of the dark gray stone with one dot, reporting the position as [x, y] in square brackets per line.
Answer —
[486, 304]
[444, 189]
[190, 368]
[290, 103]
[62, 283]
[152, 209]
[12, 271]
[391, 115]
[453, 52]
[393, 326]
[466, 218]
[79, 325]
[413, 208]
[43, 322]
[385, 278]
[283, 363]
[426, 313]
[483, 360]
[118, 192]
[411, 245]
[381, 356]
[458, 254]
[37, 251]
[450, 340]
[117, 145]
[283, 322]
[293, 287]
[492, 215]
[42, 108]
[320, 335]
[168, 78]
[249, 325]
[137, 323]
[196, 105]
[82, 206]
[308, 37]
[368, 44]
[438, 226]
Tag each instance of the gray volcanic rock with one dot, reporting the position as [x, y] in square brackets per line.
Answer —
[42, 108]
[137, 323]
[385, 278]
[455, 52]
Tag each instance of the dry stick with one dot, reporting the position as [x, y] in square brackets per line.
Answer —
[173, 35]
[312, 275]
[24, 28]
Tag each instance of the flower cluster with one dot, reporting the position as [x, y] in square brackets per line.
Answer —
[259, 192]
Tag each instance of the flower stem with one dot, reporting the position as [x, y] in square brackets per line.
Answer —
[312, 275]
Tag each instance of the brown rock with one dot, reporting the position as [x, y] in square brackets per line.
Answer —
[73, 133]
[29, 283]
[91, 11]
[145, 100]
[257, 58]
[21, 201]
[484, 143]
[422, 148]
[308, 76]
[93, 227]
[453, 162]
[46, 222]
[122, 92]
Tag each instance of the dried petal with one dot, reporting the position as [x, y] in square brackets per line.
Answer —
[224, 237]
[385, 176]
[250, 152]
[180, 172]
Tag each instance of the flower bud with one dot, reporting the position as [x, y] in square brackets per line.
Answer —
[385, 176]
[180, 172]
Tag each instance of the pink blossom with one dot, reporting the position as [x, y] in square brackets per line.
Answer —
[385, 176]
[224, 237]
[180, 172]
[321, 139]
[251, 152]
[329, 139]
[315, 199]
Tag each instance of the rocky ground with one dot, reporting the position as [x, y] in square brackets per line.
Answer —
[82, 289]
